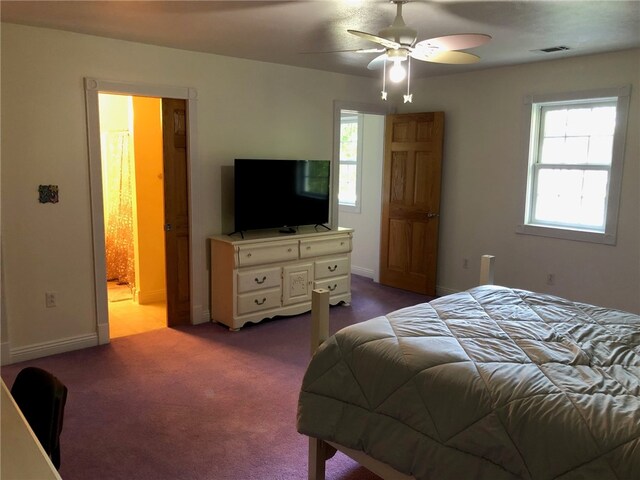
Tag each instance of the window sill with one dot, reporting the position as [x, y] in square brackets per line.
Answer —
[349, 208]
[567, 234]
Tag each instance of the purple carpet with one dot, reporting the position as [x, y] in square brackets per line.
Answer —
[199, 402]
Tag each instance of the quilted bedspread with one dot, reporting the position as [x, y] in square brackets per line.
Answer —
[492, 383]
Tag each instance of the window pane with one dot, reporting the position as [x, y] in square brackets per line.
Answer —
[577, 134]
[569, 150]
[552, 150]
[347, 191]
[579, 121]
[349, 141]
[603, 120]
[571, 197]
[600, 150]
[555, 123]
[576, 150]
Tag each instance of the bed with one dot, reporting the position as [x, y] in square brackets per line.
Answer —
[491, 383]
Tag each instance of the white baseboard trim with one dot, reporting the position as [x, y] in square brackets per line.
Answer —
[363, 272]
[442, 291]
[45, 349]
[204, 317]
[147, 297]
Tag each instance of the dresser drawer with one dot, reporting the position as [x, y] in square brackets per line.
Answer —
[333, 267]
[336, 286]
[256, 301]
[262, 254]
[328, 246]
[259, 279]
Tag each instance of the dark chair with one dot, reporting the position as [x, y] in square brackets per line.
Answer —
[41, 398]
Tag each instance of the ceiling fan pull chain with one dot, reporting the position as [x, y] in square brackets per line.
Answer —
[384, 80]
[408, 98]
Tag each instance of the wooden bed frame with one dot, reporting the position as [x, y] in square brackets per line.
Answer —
[319, 450]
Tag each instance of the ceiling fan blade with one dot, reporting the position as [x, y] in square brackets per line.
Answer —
[351, 50]
[451, 57]
[455, 42]
[374, 38]
[378, 62]
[371, 50]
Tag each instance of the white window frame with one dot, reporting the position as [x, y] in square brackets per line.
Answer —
[356, 207]
[536, 102]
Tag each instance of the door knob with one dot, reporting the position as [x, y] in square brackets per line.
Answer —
[432, 215]
[167, 227]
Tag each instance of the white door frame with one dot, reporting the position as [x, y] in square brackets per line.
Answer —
[93, 87]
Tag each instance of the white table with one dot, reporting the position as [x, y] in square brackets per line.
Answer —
[21, 455]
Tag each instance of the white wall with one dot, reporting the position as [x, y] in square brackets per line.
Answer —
[245, 109]
[366, 224]
[484, 174]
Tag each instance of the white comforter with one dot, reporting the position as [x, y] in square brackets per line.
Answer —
[493, 383]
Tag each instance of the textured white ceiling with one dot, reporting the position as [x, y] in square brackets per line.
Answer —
[307, 33]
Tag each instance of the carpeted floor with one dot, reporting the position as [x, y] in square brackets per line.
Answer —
[199, 402]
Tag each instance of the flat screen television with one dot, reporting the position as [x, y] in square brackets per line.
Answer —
[281, 194]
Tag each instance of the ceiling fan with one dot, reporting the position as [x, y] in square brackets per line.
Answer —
[398, 42]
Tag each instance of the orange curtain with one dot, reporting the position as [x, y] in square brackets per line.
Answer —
[119, 211]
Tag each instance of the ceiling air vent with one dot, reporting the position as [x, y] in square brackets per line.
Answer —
[553, 49]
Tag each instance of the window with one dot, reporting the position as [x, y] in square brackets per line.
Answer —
[350, 160]
[576, 149]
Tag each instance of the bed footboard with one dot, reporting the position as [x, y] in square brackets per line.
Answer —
[487, 269]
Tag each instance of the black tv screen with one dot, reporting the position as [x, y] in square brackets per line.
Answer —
[281, 193]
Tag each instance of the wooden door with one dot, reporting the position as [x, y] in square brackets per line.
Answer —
[176, 211]
[411, 201]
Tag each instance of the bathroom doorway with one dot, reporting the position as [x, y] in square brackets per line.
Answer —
[133, 202]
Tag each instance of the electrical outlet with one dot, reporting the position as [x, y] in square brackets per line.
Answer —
[50, 299]
[551, 279]
[465, 263]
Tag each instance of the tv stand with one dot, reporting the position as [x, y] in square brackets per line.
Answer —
[265, 275]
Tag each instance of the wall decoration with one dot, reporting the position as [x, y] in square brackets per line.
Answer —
[48, 193]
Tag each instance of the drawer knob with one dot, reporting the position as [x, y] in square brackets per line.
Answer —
[308, 247]
[289, 249]
[331, 289]
[258, 302]
[258, 281]
[248, 254]
[341, 243]
[332, 269]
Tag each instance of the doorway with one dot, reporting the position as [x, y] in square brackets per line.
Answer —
[359, 153]
[133, 203]
[185, 290]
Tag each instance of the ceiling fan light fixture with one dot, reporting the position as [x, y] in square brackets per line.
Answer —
[397, 43]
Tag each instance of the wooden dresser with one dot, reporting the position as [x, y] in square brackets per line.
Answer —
[269, 274]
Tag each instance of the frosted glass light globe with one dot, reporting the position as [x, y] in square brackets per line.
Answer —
[397, 73]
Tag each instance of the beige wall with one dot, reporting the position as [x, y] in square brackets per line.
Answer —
[244, 109]
[484, 174]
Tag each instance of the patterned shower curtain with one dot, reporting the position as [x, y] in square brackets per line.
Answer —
[119, 209]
